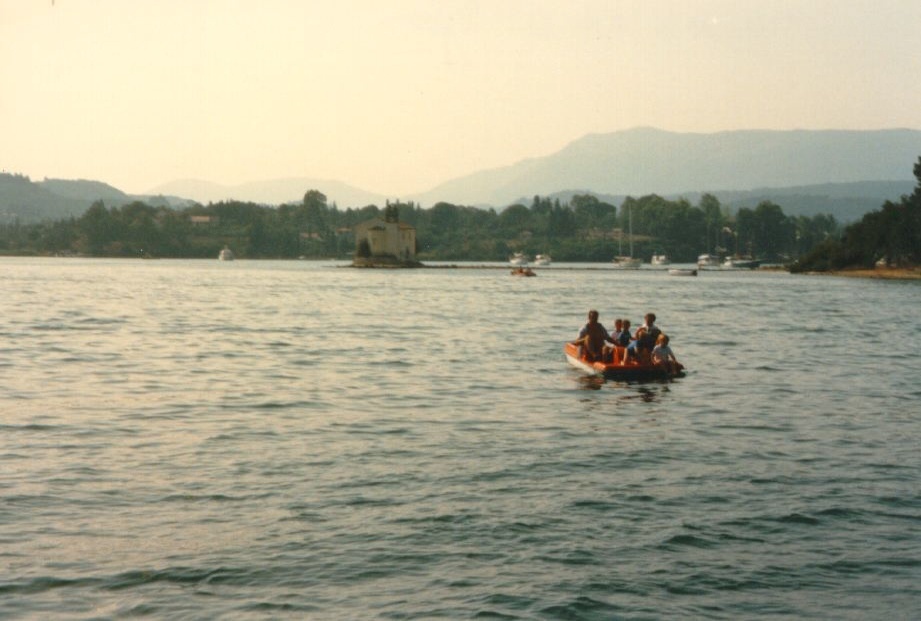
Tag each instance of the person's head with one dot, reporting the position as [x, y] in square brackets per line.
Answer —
[592, 316]
[626, 324]
[662, 340]
[618, 324]
[650, 318]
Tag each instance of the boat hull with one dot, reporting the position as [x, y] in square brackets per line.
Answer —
[708, 260]
[626, 372]
[627, 263]
[742, 264]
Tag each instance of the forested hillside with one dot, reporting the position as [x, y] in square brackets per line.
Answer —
[582, 229]
[890, 236]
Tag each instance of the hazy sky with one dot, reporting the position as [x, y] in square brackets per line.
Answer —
[395, 96]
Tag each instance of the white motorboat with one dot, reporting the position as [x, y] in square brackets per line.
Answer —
[518, 259]
[226, 254]
[542, 259]
[708, 260]
[660, 259]
[738, 263]
[682, 271]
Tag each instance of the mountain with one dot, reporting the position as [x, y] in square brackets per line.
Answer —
[845, 173]
[25, 201]
[644, 161]
[85, 191]
[271, 192]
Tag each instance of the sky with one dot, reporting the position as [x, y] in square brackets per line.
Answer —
[397, 96]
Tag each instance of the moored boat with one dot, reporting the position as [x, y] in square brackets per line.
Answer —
[226, 254]
[682, 271]
[622, 261]
[660, 259]
[741, 263]
[708, 260]
[627, 263]
[518, 259]
[542, 259]
[631, 371]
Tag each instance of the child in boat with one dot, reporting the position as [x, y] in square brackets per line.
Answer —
[633, 346]
[618, 328]
[646, 337]
[624, 337]
[663, 355]
[609, 352]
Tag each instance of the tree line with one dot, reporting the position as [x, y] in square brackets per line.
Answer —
[583, 228]
[889, 236]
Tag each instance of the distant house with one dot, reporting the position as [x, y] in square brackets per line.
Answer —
[385, 242]
[199, 220]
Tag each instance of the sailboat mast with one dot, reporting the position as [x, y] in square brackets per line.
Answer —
[630, 220]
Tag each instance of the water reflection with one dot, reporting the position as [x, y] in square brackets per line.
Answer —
[650, 391]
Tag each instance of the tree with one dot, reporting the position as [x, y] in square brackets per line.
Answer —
[97, 228]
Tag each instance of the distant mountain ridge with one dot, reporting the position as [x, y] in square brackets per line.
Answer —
[652, 161]
[271, 192]
[26, 201]
[842, 172]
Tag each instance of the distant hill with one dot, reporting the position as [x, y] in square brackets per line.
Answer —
[845, 173]
[651, 161]
[847, 201]
[26, 201]
[271, 192]
[84, 190]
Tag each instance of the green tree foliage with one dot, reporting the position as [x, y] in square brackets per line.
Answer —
[583, 229]
[890, 235]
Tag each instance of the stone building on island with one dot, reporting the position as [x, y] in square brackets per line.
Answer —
[385, 242]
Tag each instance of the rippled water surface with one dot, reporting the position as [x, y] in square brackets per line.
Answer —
[246, 440]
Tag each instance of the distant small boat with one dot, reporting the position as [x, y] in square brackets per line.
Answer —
[542, 259]
[627, 263]
[681, 271]
[225, 254]
[660, 259]
[523, 271]
[740, 263]
[519, 258]
[622, 261]
[708, 260]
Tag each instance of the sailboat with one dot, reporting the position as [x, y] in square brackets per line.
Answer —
[627, 262]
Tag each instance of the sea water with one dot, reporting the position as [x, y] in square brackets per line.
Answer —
[266, 440]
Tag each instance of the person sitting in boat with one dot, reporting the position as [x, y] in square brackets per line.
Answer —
[618, 328]
[616, 335]
[592, 338]
[624, 337]
[632, 350]
[646, 337]
[663, 356]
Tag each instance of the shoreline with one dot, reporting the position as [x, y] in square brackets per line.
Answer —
[879, 273]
